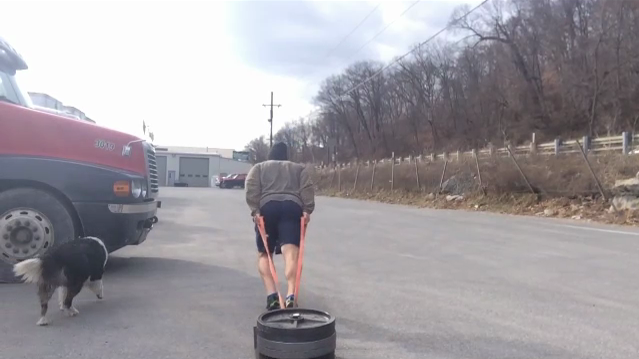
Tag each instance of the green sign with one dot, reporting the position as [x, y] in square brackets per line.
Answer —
[241, 155]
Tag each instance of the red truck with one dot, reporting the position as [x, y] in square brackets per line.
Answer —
[61, 178]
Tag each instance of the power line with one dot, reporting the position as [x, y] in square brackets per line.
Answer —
[354, 29]
[330, 53]
[383, 30]
[411, 51]
[370, 40]
[415, 48]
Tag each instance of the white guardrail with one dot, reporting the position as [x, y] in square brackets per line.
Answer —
[624, 144]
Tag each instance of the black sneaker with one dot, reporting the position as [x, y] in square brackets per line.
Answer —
[290, 301]
[272, 302]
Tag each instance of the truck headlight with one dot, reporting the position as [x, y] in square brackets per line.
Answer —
[136, 188]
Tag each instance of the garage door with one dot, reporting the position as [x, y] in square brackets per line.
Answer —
[194, 171]
[161, 161]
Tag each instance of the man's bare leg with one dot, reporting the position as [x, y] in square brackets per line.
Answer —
[265, 273]
[290, 252]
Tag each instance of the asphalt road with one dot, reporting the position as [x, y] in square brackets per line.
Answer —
[402, 282]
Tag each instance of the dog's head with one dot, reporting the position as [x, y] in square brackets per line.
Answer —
[97, 287]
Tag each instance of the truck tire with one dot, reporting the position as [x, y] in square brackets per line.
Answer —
[32, 221]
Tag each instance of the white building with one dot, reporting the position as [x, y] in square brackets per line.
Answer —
[224, 152]
[196, 166]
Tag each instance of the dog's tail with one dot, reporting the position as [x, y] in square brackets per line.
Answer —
[30, 270]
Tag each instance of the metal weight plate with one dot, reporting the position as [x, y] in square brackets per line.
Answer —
[295, 333]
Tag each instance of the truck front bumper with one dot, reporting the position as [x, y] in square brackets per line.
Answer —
[118, 225]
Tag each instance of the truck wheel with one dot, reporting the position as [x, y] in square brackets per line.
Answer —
[32, 221]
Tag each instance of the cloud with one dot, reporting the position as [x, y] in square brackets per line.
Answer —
[200, 71]
[418, 24]
[293, 38]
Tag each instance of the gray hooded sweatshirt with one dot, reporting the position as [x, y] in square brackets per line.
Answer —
[279, 181]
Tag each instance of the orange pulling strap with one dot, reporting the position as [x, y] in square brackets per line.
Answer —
[300, 260]
[271, 263]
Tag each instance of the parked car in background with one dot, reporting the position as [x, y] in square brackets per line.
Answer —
[219, 177]
[233, 180]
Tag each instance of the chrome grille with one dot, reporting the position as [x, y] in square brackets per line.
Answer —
[153, 169]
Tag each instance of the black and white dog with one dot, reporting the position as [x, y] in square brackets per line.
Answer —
[69, 267]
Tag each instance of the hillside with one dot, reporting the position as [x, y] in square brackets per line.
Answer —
[558, 68]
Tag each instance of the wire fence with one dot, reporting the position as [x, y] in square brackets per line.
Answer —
[559, 168]
[625, 144]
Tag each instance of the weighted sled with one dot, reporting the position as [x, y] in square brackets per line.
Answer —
[295, 333]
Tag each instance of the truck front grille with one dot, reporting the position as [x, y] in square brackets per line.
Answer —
[153, 170]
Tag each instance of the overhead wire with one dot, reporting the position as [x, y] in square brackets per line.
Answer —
[371, 39]
[383, 30]
[332, 50]
[407, 53]
[415, 48]
[354, 29]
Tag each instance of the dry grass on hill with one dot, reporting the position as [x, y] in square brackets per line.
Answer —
[565, 185]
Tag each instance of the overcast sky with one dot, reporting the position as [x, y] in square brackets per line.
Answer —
[198, 72]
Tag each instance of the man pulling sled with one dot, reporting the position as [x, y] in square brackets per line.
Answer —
[281, 198]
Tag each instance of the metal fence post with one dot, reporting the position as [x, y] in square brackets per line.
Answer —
[393, 172]
[625, 143]
[586, 144]
[557, 146]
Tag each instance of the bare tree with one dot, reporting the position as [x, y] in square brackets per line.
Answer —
[555, 67]
[258, 149]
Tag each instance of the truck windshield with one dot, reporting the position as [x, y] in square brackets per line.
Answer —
[4, 93]
[11, 91]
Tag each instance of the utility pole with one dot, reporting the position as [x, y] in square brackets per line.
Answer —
[271, 118]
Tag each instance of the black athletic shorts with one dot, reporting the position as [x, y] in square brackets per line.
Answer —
[282, 224]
